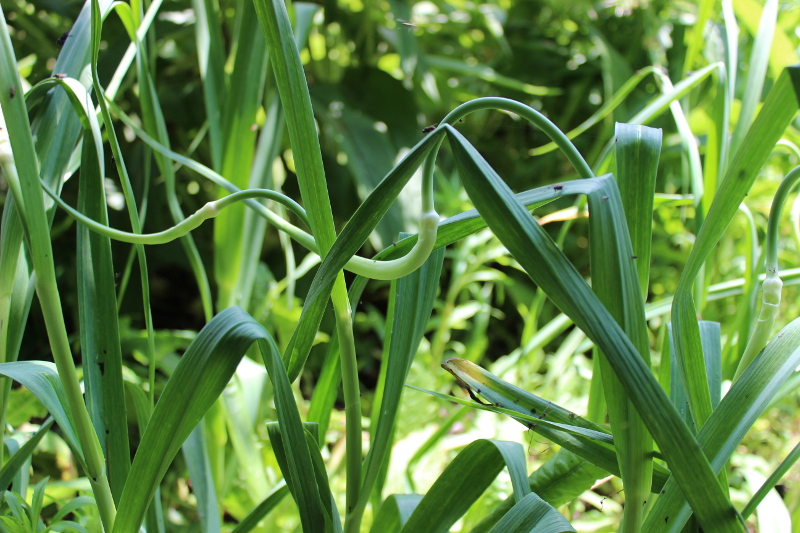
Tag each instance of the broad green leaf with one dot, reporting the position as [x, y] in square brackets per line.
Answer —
[464, 480]
[561, 479]
[42, 379]
[564, 477]
[332, 520]
[293, 89]
[133, 213]
[532, 515]
[394, 513]
[551, 270]
[199, 379]
[506, 398]
[528, 420]
[637, 153]
[97, 306]
[614, 280]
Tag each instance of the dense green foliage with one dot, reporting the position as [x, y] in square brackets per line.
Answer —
[236, 380]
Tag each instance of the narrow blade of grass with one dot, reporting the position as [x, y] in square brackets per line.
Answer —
[615, 281]
[756, 71]
[19, 459]
[353, 236]
[195, 453]
[97, 309]
[251, 521]
[243, 98]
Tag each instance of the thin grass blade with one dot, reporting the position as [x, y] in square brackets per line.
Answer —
[21, 456]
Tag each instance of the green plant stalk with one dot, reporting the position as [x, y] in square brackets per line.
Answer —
[616, 99]
[370, 268]
[32, 210]
[540, 121]
[193, 221]
[10, 267]
[772, 285]
[296, 101]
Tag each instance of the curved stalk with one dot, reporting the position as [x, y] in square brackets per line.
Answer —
[209, 210]
[358, 265]
[771, 288]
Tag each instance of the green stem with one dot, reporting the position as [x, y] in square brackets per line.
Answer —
[771, 288]
[358, 265]
[352, 402]
[209, 210]
[531, 115]
[512, 106]
[28, 186]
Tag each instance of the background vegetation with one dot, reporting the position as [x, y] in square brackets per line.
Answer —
[379, 73]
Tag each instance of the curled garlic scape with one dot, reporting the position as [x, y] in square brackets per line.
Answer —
[771, 288]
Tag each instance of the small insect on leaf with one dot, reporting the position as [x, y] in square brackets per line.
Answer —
[60, 75]
[12, 92]
[63, 39]
[558, 187]
[429, 129]
[406, 23]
